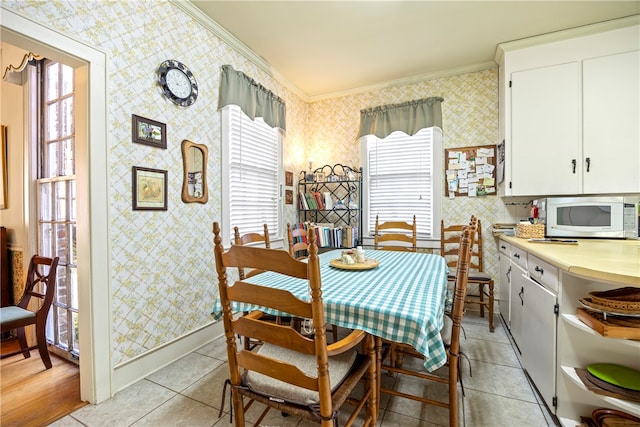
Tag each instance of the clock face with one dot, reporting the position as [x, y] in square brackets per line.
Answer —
[177, 82]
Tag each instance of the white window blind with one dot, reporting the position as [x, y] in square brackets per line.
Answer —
[253, 168]
[402, 179]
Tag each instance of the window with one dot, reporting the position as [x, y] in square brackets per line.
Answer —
[402, 178]
[57, 199]
[251, 174]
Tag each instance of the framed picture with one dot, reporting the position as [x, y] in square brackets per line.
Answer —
[288, 179]
[318, 177]
[288, 197]
[149, 189]
[148, 132]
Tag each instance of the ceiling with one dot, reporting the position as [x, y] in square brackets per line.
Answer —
[324, 48]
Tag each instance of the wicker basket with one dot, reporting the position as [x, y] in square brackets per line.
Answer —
[625, 299]
[528, 231]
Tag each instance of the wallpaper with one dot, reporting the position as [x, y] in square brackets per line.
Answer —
[470, 118]
[163, 281]
[163, 274]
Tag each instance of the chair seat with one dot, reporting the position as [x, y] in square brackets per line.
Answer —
[339, 367]
[12, 315]
[474, 276]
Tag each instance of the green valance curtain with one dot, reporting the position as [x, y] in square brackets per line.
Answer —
[253, 99]
[408, 117]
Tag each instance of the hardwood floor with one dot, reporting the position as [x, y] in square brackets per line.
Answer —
[31, 395]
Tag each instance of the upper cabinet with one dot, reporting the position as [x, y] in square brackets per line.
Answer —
[611, 123]
[570, 114]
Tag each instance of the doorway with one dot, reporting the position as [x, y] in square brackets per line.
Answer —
[92, 183]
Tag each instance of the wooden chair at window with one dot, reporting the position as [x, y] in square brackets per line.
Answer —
[299, 249]
[451, 338]
[395, 235]
[41, 284]
[484, 297]
[292, 373]
[298, 242]
[253, 239]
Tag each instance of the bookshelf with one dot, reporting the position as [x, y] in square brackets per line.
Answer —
[330, 197]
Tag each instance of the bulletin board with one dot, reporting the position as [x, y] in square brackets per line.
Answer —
[470, 171]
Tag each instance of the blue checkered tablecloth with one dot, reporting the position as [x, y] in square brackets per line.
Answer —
[401, 300]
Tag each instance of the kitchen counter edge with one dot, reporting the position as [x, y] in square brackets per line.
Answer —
[616, 261]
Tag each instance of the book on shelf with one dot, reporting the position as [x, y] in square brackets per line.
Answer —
[328, 201]
[317, 197]
[310, 201]
[302, 201]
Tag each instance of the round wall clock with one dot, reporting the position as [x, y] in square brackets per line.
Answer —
[177, 82]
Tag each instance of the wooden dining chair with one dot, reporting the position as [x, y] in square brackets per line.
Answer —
[252, 239]
[41, 284]
[451, 338]
[395, 235]
[298, 242]
[299, 249]
[484, 297]
[294, 374]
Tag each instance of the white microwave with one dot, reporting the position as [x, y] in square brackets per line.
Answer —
[614, 217]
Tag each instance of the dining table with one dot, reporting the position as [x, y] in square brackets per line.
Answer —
[396, 296]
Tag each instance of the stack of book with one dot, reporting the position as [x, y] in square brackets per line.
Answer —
[329, 236]
[315, 201]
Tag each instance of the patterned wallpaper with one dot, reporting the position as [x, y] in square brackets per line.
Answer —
[163, 273]
[469, 115]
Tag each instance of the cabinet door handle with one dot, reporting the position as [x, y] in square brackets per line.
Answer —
[503, 247]
[516, 256]
[520, 294]
[573, 162]
[588, 159]
[509, 274]
[539, 270]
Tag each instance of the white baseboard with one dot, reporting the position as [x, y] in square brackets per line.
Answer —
[145, 364]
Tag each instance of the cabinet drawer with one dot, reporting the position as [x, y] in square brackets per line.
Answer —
[519, 256]
[504, 248]
[543, 272]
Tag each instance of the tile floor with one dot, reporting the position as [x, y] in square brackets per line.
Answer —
[188, 392]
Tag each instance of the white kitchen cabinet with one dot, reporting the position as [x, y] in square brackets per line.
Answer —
[611, 141]
[538, 347]
[542, 274]
[504, 288]
[545, 137]
[518, 272]
[533, 316]
[569, 112]
[518, 329]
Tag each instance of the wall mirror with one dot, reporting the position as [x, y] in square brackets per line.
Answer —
[194, 163]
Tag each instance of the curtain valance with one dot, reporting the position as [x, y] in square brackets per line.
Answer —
[253, 99]
[408, 117]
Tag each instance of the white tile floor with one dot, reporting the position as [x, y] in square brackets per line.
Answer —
[188, 392]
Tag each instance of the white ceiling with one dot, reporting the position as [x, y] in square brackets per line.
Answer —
[327, 47]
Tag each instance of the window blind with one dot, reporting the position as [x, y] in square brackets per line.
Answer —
[401, 179]
[254, 165]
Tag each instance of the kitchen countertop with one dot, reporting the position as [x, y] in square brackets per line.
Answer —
[616, 261]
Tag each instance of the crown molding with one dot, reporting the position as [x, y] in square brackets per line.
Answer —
[570, 33]
[418, 78]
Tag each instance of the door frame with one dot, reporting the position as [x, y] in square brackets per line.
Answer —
[94, 280]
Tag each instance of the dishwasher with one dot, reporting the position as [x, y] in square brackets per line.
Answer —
[538, 295]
